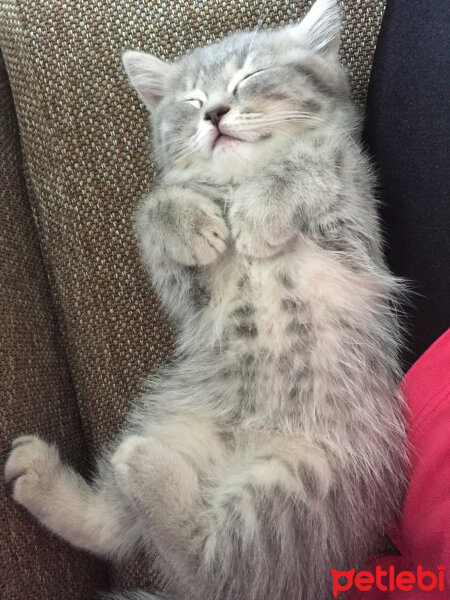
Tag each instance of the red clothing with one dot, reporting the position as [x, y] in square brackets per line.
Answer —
[423, 534]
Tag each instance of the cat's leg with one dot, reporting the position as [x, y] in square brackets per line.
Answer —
[161, 470]
[96, 518]
[259, 227]
[268, 212]
[222, 542]
[179, 230]
[164, 484]
[265, 532]
[166, 471]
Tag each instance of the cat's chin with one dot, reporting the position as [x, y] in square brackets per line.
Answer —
[231, 158]
[224, 141]
[227, 148]
[235, 160]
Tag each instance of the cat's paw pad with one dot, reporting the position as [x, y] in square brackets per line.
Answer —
[31, 470]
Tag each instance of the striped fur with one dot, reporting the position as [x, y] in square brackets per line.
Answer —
[272, 449]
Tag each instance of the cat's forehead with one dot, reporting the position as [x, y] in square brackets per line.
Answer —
[215, 64]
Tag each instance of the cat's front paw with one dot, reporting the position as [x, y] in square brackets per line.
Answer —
[31, 470]
[203, 238]
[258, 238]
[188, 228]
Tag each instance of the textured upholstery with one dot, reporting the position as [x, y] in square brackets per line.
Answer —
[83, 135]
[36, 391]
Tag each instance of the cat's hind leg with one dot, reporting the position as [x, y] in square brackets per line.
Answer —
[97, 518]
[222, 541]
[160, 468]
[164, 484]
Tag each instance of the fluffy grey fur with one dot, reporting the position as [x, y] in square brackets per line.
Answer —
[272, 448]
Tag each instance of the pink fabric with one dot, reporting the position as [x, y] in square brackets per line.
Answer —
[423, 534]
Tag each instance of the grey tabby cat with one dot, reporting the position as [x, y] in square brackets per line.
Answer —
[272, 449]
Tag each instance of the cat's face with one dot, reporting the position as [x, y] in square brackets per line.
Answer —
[226, 108]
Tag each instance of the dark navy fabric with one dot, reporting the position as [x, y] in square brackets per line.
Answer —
[408, 133]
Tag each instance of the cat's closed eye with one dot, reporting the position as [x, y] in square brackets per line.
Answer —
[195, 102]
[246, 78]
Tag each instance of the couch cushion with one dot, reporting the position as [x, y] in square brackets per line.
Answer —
[36, 393]
[84, 137]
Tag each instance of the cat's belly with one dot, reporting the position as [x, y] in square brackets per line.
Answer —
[280, 329]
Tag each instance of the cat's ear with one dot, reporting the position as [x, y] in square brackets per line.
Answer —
[320, 28]
[148, 75]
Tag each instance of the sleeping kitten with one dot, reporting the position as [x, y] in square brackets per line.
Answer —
[272, 449]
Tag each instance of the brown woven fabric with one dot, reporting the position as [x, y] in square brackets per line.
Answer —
[35, 389]
[84, 137]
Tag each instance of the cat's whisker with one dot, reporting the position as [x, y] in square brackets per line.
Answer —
[177, 148]
[280, 117]
[259, 24]
[277, 116]
[173, 156]
[178, 158]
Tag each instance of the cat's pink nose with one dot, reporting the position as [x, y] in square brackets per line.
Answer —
[216, 113]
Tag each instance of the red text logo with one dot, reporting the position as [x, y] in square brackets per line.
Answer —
[388, 580]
